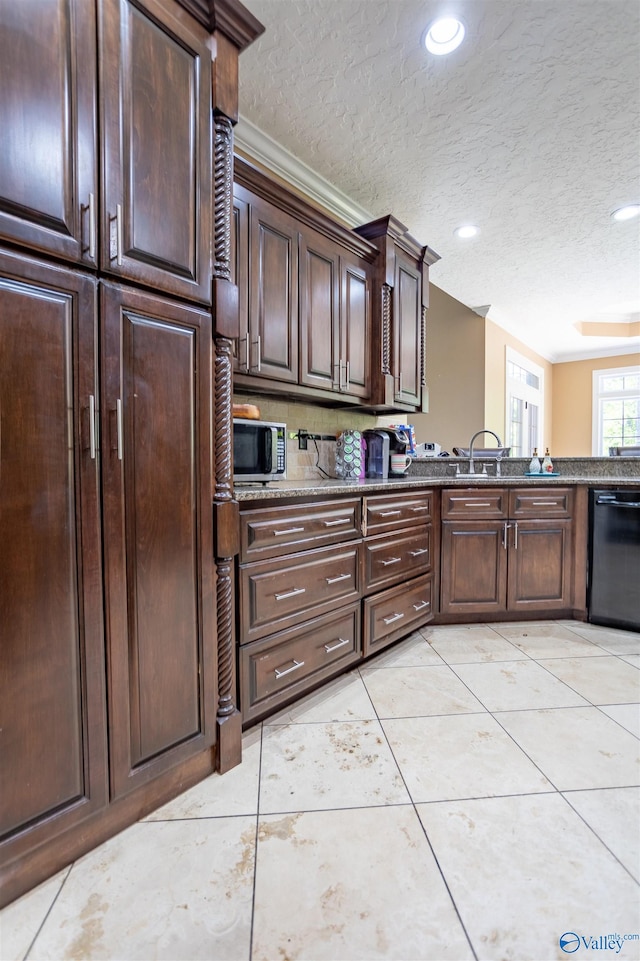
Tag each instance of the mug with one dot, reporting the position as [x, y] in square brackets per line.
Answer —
[400, 463]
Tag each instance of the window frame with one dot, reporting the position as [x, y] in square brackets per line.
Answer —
[598, 395]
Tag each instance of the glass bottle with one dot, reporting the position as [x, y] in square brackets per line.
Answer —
[534, 466]
[547, 464]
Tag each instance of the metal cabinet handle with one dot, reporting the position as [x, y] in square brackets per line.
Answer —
[421, 606]
[391, 560]
[515, 536]
[119, 235]
[92, 427]
[347, 368]
[341, 520]
[245, 365]
[258, 344]
[544, 503]
[293, 593]
[119, 428]
[504, 534]
[394, 617]
[421, 550]
[340, 577]
[296, 664]
[389, 513]
[340, 384]
[92, 226]
[415, 509]
[477, 504]
[288, 530]
[341, 643]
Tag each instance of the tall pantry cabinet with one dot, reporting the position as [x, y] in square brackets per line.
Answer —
[109, 297]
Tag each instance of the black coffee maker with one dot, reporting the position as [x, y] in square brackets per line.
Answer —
[381, 444]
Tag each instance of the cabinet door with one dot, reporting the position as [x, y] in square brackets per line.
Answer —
[240, 277]
[474, 567]
[321, 360]
[52, 763]
[540, 565]
[407, 333]
[355, 332]
[156, 148]
[158, 537]
[47, 117]
[273, 294]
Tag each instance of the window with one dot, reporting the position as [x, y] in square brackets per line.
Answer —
[524, 401]
[616, 409]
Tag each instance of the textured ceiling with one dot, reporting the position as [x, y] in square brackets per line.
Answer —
[529, 130]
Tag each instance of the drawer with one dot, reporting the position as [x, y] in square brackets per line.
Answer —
[490, 502]
[274, 531]
[275, 594]
[541, 502]
[395, 612]
[394, 511]
[395, 557]
[284, 665]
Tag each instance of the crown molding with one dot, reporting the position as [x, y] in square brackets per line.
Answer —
[229, 16]
[258, 147]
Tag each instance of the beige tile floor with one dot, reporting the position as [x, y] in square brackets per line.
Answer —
[472, 792]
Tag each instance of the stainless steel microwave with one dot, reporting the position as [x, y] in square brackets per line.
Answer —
[259, 451]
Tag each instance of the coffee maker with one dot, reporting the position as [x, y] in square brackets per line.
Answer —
[381, 444]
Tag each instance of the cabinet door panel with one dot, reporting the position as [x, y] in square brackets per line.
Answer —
[474, 567]
[273, 305]
[540, 565]
[47, 117]
[356, 330]
[319, 322]
[51, 655]
[407, 334]
[156, 517]
[156, 149]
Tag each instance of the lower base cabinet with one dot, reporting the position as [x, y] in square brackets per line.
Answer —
[391, 614]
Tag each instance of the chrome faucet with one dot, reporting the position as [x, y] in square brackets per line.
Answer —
[477, 434]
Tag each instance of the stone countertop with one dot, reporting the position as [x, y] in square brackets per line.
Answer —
[278, 490]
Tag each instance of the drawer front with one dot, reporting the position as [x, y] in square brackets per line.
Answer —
[395, 557]
[274, 531]
[275, 594]
[541, 502]
[395, 511]
[490, 502]
[393, 613]
[284, 665]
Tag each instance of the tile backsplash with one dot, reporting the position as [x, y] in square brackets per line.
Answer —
[315, 462]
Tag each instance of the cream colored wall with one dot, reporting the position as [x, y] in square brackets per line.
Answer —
[573, 401]
[496, 342]
[455, 373]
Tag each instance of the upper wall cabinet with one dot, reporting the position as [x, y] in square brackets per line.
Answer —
[150, 219]
[48, 160]
[400, 300]
[304, 287]
[155, 82]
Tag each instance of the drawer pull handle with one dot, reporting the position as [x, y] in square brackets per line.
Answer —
[389, 513]
[296, 590]
[424, 508]
[421, 606]
[394, 617]
[421, 550]
[545, 503]
[340, 577]
[288, 530]
[341, 643]
[391, 560]
[341, 520]
[477, 504]
[296, 664]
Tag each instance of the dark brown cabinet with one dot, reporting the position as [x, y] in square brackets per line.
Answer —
[54, 767]
[157, 532]
[304, 297]
[400, 300]
[149, 220]
[507, 551]
[48, 108]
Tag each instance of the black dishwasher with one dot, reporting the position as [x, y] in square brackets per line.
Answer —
[614, 558]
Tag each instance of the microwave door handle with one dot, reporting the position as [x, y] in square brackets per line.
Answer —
[273, 431]
[269, 449]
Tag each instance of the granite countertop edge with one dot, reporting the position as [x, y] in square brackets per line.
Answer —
[279, 490]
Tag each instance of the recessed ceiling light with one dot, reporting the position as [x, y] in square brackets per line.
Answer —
[626, 213]
[444, 35]
[466, 231]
